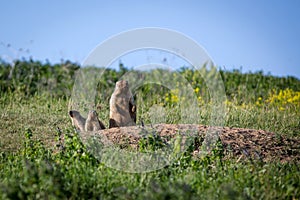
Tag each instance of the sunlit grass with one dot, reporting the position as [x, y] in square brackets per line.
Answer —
[33, 164]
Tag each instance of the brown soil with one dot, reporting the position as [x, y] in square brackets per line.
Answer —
[237, 142]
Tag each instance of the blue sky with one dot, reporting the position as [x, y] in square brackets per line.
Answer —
[257, 35]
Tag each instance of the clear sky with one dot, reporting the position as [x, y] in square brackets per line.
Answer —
[255, 34]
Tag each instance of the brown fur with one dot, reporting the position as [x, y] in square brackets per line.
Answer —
[122, 108]
[93, 123]
[77, 120]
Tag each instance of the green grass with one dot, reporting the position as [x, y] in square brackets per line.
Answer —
[35, 172]
[34, 166]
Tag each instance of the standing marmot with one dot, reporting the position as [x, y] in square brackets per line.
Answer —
[122, 109]
[93, 123]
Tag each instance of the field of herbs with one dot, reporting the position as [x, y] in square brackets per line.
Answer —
[42, 157]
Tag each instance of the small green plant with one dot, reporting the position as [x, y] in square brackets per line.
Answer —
[151, 142]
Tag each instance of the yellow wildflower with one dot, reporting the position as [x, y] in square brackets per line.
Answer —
[284, 98]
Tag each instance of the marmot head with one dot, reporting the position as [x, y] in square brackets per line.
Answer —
[77, 120]
[74, 114]
[122, 86]
[92, 114]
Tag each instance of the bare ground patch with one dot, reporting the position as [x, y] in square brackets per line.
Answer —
[237, 142]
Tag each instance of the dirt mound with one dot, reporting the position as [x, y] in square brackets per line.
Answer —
[239, 142]
[260, 144]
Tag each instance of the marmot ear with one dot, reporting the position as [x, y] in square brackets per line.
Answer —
[71, 113]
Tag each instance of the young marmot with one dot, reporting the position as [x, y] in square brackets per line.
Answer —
[122, 108]
[77, 120]
[92, 123]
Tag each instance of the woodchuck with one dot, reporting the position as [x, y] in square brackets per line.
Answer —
[122, 107]
[93, 123]
[77, 120]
